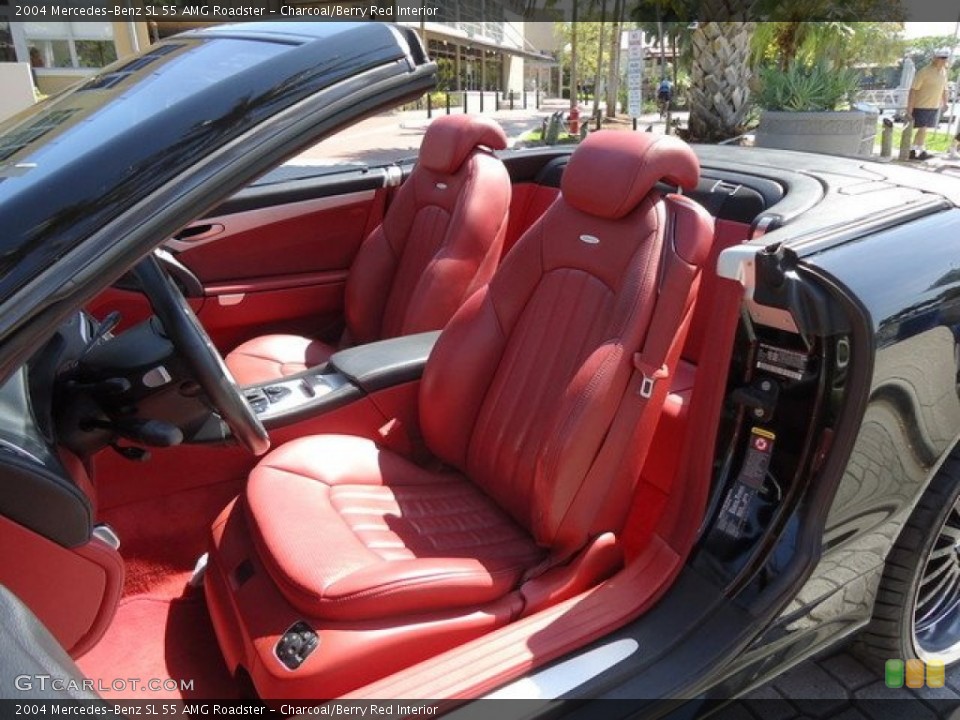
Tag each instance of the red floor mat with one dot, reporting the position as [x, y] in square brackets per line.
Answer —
[155, 639]
[162, 538]
[162, 631]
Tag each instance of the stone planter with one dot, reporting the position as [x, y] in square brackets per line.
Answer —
[848, 132]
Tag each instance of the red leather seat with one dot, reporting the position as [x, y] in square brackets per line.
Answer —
[439, 241]
[525, 405]
[392, 538]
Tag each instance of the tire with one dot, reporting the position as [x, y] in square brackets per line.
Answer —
[917, 610]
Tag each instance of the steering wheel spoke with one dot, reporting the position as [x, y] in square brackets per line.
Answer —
[187, 334]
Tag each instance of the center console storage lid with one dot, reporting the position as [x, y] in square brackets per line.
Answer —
[386, 363]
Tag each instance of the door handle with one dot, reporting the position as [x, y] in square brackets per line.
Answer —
[196, 233]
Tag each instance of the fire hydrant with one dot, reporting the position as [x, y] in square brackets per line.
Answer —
[575, 120]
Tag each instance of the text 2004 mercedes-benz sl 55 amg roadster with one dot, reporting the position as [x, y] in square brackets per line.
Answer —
[636, 419]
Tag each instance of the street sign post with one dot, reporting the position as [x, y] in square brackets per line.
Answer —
[634, 74]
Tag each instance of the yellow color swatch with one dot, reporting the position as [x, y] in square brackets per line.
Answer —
[914, 673]
[935, 674]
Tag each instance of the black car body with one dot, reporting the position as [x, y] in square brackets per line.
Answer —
[842, 354]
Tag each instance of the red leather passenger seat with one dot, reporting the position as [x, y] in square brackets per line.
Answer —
[527, 405]
[440, 240]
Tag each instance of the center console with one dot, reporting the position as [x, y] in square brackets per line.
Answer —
[348, 376]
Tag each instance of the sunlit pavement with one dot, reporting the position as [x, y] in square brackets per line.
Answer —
[393, 136]
[841, 686]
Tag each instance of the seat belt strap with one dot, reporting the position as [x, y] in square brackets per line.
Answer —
[624, 450]
[673, 304]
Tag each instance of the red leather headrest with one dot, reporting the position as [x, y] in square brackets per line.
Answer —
[451, 138]
[612, 170]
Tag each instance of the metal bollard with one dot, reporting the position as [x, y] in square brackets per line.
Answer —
[905, 140]
[552, 135]
[634, 124]
[538, 98]
[886, 139]
[448, 102]
[481, 100]
[464, 101]
[511, 99]
[429, 106]
[524, 99]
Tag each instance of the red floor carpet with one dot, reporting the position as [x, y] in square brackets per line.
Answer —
[155, 638]
[161, 630]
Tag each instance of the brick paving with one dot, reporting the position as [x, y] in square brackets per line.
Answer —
[839, 686]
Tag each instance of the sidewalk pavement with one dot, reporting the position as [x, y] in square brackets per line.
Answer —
[394, 135]
[838, 685]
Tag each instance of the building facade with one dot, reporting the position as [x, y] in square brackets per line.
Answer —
[61, 53]
[478, 44]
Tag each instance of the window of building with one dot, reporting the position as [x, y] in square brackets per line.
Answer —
[70, 44]
[7, 51]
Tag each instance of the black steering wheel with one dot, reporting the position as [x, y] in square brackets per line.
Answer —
[191, 340]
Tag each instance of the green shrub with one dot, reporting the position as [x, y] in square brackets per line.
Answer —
[439, 99]
[805, 88]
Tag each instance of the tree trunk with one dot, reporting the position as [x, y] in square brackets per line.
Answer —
[599, 74]
[720, 80]
[613, 64]
[574, 94]
[675, 47]
[788, 41]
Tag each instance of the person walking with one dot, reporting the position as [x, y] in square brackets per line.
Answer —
[928, 94]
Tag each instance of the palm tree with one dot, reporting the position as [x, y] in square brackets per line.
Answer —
[840, 43]
[720, 78]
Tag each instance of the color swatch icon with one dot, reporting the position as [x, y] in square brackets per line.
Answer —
[936, 675]
[897, 673]
[914, 673]
[893, 673]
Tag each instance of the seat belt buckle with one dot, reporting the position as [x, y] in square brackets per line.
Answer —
[650, 375]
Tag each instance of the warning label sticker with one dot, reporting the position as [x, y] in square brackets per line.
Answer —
[736, 506]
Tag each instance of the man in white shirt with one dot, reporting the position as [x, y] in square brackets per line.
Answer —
[928, 95]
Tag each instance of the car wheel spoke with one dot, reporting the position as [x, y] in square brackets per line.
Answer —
[931, 576]
[944, 612]
[951, 532]
[933, 602]
[951, 528]
[932, 586]
[945, 551]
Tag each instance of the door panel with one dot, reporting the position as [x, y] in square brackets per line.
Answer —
[278, 268]
[275, 256]
[279, 264]
[234, 313]
[308, 236]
